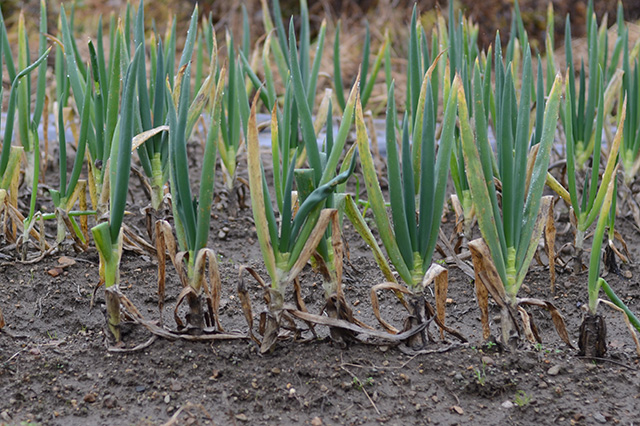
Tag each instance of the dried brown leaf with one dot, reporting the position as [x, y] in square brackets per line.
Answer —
[334, 322]
[152, 326]
[141, 138]
[186, 291]
[457, 209]
[245, 301]
[486, 270]
[212, 287]
[300, 302]
[556, 317]
[530, 331]
[550, 246]
[440, 277]
[375, 303]
[164, 241]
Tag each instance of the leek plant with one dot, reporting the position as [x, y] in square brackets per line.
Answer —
[102, 85]
[20, 102]
[20, 98]
[234, 122]
[593, 331]
[72, 189]
[301, 232]
[152, 146]
[285, 249]
[629, 153]
[321, 173]
[462, 51]
[586, 207]
[193, 215]
[29, 119]
[153, 153]
[108, 235]
[587, 97]
[510, 234]
[411, 241]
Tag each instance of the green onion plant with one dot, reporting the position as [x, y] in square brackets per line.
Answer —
[586, 109]
[20, 102]
[629, 153]
[20, 99]
[510, 229]
[234, 120]
[108, 235]
[193, 215]
[288, 244]
[72, 189]
[586, 207]
[592, 340]
[411, 241]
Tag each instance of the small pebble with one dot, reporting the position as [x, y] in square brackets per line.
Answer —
[457, 409]
[110, 401]
[507, 404]
[598, 417]
[554, 371]
[167, 399]
[487, 360]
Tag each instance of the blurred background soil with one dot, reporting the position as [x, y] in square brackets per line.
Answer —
[392, 14]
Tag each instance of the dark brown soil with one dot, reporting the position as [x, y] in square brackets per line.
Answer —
[56, 370]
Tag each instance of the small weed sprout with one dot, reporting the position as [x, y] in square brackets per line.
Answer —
[522, 399]
[481, 374]
[358, 384]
